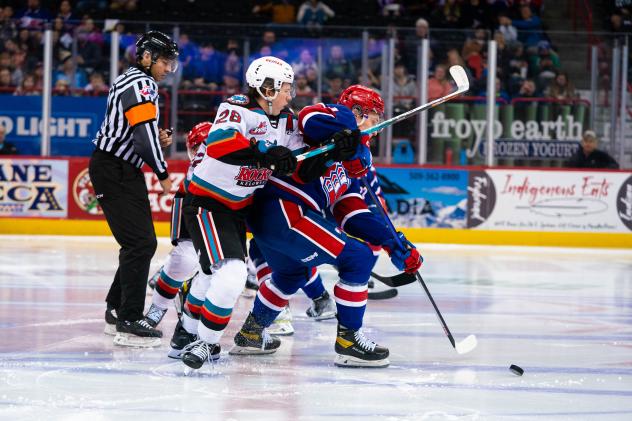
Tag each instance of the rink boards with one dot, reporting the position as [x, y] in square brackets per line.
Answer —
[439, 204]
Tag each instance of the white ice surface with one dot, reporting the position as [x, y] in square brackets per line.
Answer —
[564, 315]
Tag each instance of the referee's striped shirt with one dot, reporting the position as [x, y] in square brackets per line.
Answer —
[130, 128]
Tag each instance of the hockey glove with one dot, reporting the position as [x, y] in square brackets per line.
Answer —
[403, 254]
[360, 163]
[280, 160]
[346, 142]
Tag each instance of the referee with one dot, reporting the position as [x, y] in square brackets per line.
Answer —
[128, 138]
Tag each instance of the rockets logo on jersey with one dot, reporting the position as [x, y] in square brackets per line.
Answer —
[335, 182]
[262, 128]
[148, 93]
[251, 177]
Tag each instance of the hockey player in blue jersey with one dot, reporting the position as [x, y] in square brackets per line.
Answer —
[368, 108]
[294, 236]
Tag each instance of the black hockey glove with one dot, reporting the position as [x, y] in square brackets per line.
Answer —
[280, 160]
[346, 142]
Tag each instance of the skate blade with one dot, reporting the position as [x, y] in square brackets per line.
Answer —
[110, 329]
[348, 361]
[325, 316]
[281, 329]
[125, 339]
[176, 354]
[249, 350]
[249, 293]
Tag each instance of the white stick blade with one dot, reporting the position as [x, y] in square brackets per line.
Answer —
[466, 345]
[460, 78]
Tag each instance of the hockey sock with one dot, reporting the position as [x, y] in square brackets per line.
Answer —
[181, 264]
[194, 301]
[350, 304]
[269, 302]
[226, 284]
[314, 287]
[263, 271]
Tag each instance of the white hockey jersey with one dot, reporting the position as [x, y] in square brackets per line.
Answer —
[228, 172]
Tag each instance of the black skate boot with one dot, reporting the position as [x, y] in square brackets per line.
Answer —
[353, 349]
[253, 339]
[136, 334]
[199, 352]
[180, 340]
[110, 321]
[154, 315]
[322, 308]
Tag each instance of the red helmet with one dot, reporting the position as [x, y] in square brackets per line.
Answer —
[198, 134]
[362, 98]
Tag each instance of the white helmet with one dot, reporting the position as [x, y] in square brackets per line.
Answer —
[269, 67]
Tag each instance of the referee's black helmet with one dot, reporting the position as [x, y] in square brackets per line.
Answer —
[158, 44]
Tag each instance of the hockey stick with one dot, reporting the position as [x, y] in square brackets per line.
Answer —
[383, 295]
[467, 344]
[462, 85]
[395, 281]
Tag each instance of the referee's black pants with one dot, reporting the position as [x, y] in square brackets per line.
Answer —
[122, 193]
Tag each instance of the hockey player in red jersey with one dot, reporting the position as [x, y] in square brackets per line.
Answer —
[294, 236]
[252, 137]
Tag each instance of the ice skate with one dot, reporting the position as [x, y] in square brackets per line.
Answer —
[199, 352]
[252, 286]
[110, 321]
[154, 315]
[136, 334]
[282, 325]
[180, 340]
[322, 308]
[253, 339]
[353, 349]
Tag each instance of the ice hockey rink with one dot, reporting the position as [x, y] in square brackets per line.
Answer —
[563, 315]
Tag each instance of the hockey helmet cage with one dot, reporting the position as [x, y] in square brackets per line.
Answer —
[269, 67]
[363, 99]
[159, 45]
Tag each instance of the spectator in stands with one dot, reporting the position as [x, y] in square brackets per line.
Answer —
[304, 93]
[6, 148]
[314, 13]
[68, 18]
[27, 87]
[6, 82]
[231, 85]
[561, 87]
[97, 86]
[62, 88]
[507, 29]
[282, 12]
[530, 27]
[188, 53]
[588, 156]
[62, 39]
[210, 65]
[335, 88]
[234, 63]
[621, 21]
[312, 79]
[305, 61]
[439, 85]
[472, 54]
[475, 14]
[337, 66]
[92, 6]
[412, 42]
[390, 8]
[501, 93]
[404, 86]
[94, 34]
[69, 72]
[528, 89]
[449, 15]
[8, 28]
[34, 16]
[90, 54]
[125, 6]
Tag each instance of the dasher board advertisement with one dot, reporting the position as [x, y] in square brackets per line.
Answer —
[560, 201]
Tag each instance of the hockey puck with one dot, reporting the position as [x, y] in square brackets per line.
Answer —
[516, 370]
